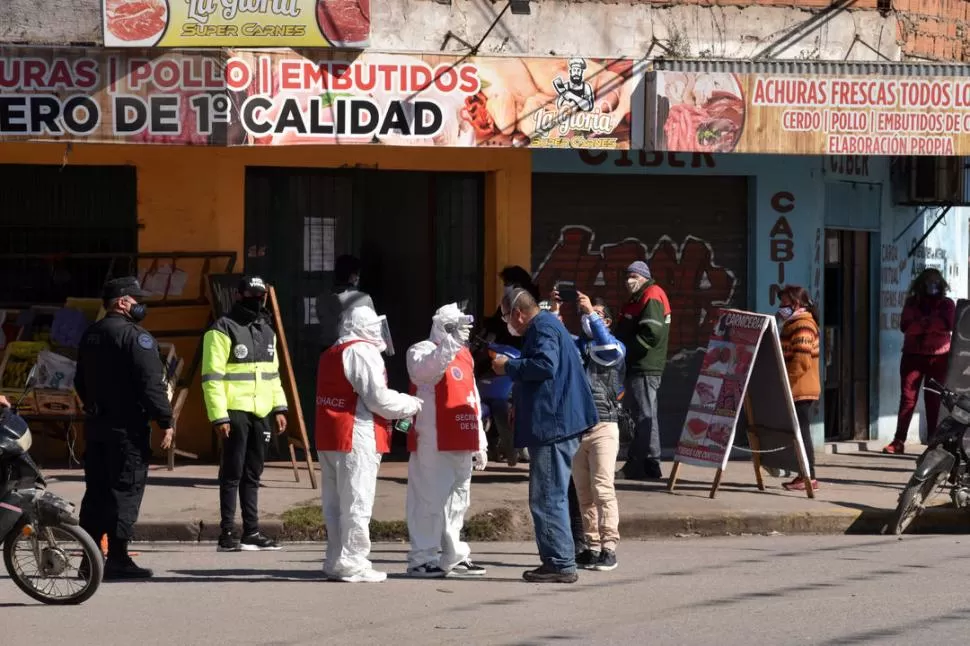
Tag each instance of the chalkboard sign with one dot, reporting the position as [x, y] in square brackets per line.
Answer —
[958, 374]
[222, 289]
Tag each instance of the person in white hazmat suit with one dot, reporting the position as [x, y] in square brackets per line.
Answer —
[354, 411]
[447, 441]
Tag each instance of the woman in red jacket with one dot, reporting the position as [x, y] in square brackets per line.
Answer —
[926, 324]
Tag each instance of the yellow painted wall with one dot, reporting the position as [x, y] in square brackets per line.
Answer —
[193, 199]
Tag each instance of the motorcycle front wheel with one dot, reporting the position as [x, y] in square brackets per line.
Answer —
[46, 563]
[912, 501]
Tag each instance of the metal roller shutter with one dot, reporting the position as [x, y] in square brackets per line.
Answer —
[693, 231]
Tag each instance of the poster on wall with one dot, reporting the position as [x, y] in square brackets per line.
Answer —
[434, 100]
[210, 23]
[247, 97]
[743, 356]
[720, 112]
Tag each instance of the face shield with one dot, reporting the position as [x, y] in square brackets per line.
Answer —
[385, 332]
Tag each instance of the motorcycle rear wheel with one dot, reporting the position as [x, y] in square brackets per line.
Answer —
[59, 567]
[913, 500]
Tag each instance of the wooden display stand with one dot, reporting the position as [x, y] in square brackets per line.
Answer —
[744, 355]
[220, 289]
[177, 396]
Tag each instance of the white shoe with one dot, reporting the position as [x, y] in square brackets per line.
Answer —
[367, 576]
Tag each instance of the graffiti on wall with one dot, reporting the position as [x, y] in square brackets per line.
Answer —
[695, 284]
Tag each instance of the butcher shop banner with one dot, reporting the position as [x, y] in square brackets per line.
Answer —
[245, 97]
[807, 115]
[743, 356]
[236, 23]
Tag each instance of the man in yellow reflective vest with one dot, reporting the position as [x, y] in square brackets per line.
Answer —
[242, 390]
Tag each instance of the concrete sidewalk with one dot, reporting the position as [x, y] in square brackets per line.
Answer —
[858, 492]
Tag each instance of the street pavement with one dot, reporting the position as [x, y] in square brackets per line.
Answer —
[719, 591]
[858, 491]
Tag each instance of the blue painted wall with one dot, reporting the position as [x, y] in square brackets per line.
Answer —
[792, 200]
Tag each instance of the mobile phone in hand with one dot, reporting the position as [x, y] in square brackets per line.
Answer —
[567, 292]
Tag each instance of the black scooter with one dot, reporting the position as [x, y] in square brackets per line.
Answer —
[943, 462]
[43, 546]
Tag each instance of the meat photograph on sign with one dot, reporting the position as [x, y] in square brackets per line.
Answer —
[136, 23]
[700, 112]
[344, 23]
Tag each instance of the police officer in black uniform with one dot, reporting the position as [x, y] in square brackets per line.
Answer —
[120, 380]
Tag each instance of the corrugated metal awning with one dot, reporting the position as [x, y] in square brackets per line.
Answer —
[811, 68]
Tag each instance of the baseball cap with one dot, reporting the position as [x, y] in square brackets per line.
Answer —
[125, 286]
[253, 284]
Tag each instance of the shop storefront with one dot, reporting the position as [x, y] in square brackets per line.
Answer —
[731, 230]
[285, 160]
[754, 193]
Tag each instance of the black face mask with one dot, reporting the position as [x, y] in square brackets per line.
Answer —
[138, 312]
[252, 304]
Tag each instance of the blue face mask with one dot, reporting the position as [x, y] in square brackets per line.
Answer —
[933, 289]
[785, 313]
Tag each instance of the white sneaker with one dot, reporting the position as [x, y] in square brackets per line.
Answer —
[367, 576]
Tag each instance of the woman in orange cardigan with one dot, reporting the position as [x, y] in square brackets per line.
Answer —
[800, 345]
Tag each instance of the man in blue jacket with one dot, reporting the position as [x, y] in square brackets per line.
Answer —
[553, 406]
[592, 498]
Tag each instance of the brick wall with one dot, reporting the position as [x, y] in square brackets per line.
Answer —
[934, 29]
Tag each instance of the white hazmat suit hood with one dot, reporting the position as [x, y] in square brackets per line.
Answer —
[439, 481]
[364, 323]
[350, 479]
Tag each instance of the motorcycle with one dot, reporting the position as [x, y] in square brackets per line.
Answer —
[943, 462]
[38, 528]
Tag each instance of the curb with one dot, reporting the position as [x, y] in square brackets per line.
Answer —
[940, 520]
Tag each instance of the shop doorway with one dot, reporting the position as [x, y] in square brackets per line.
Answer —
[419, 236]
[848, 334]
[51, 217]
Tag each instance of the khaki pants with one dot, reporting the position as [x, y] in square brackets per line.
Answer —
[593, 468]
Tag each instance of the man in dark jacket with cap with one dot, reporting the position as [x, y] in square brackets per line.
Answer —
[121, 382]
[644, 328]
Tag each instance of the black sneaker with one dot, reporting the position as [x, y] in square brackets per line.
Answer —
[629, 472]
[227, 543]
[467, 568]
[606, 561]
[258, 543]
[426, 571]
[545, 574]
[587, 559]
[652, 470]
[120, 569]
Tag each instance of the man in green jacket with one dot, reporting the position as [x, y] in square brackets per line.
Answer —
[644, 328]
[242, 390]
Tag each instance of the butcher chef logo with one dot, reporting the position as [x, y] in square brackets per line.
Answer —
[575, 92]
[575, 110]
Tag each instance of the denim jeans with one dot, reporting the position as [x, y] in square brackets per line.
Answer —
[550, 472]
[642, 401]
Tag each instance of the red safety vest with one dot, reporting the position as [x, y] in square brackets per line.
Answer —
[337, 406]
[634, 309]
[456, 409]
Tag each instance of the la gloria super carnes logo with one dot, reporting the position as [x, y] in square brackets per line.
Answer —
[575, 105]
[201, 10]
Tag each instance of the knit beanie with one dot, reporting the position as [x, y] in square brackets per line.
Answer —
[639, 268]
